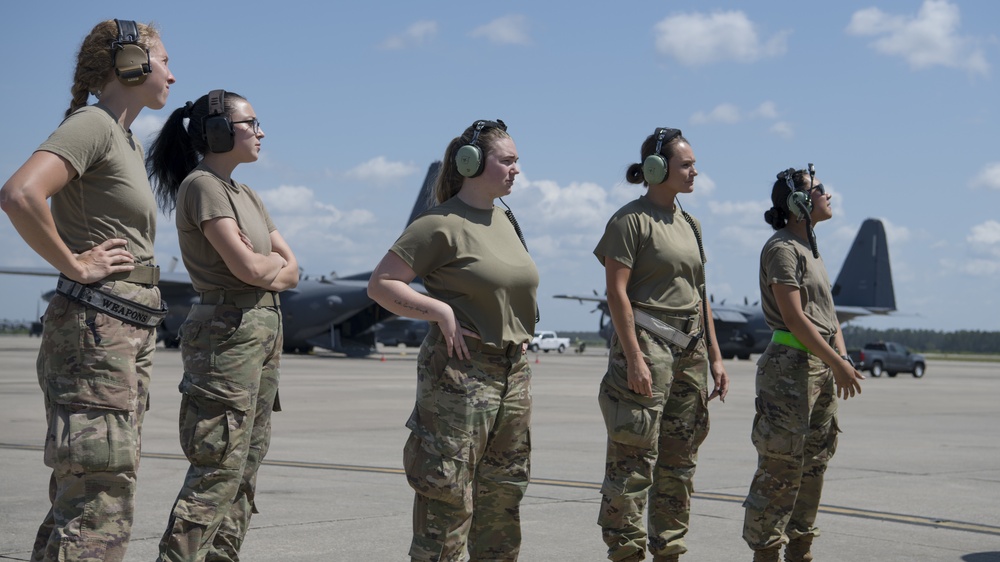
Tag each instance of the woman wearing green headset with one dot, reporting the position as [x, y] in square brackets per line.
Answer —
[654, 396]
[795, 429]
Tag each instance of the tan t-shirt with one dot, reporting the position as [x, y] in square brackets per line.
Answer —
[203, 196]
[660, 248]
[787, 260]
[110, 196]
[473, 260]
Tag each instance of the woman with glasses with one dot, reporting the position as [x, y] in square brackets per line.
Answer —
[467, 457]
[95, 359]
[654, 396]
[799, 376]
[231, 341]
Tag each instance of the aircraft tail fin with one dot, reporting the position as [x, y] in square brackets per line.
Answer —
[426, 196]
[865, 280]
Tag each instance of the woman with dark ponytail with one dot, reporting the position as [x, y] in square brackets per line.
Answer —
[799, 376]
[231, 340]
[99, 331]
[468, 454]
[654, 396]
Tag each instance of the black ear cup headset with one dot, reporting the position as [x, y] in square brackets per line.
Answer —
[217, 128]
[130, 60]
[800, 202]
[469, 157]
[654, 167]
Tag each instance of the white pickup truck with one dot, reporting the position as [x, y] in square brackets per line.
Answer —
[547, 341]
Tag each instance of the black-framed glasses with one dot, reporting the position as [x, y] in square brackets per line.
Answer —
[254, 125]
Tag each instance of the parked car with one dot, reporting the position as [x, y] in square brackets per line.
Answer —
[889, 358]
[402, 331]
[547, 341]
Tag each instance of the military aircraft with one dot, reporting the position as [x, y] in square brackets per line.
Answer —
[863, 287]
[331, 313]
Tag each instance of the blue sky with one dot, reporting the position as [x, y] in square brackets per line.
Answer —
[895, 102]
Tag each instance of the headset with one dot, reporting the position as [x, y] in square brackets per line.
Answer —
[129, 59]
[217, 128]
[799, 201]
[469, 157]
[654, 167]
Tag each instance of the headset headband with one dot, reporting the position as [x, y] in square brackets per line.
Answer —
[664, 136]
[481, 125]
[216, 102]
[128, 34]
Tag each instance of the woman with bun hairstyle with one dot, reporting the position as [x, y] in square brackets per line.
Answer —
[799, 376]
[231, 340]
[96, 355]
[467, 457]
[654, 396]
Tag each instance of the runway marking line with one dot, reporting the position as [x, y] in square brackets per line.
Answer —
[730, 498]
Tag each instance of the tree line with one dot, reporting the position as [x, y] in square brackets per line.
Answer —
[961, 341]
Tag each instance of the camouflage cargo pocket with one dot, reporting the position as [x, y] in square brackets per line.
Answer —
[91, 440]
[85, 358]
[213, 421]
[773, 438]
[627, 422]
[436, 458]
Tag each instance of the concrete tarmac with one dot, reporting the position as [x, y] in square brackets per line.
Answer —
[916, 476]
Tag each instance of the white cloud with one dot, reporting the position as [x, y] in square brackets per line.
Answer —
[695, 39]
[380, 171]
[783, 129]
[988, 177]
[928, 39]
[986, 234]
[417, 34]
[301, 211]
[146, 126]
[722, 113]
[507, 30]
[766, 110]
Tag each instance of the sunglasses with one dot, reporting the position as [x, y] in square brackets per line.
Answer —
[818, 187]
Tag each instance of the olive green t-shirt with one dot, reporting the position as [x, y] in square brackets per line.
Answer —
[110, 196]
[661, 249]
[203, 196]
[787, 260]
[473, 260]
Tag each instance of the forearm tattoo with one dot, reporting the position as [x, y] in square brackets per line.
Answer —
[412, 307]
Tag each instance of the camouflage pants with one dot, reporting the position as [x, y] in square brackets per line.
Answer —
[230, 385]
[652, 447]
[795, 433]
[94, 371]
[467, 456]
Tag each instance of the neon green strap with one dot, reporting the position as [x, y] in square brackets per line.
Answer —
[788, 339]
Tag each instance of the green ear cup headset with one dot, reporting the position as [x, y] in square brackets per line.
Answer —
[130, 60]
[654, 167]
[469, 158]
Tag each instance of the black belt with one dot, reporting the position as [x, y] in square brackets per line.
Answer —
[112, 305]
[242, 298]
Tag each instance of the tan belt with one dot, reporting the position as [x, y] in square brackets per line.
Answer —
[664, 330]
[142, 274]
[242, 298]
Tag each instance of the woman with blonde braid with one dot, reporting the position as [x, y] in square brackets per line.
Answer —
[99, 329]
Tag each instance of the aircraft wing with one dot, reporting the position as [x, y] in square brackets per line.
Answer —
[39, 271]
